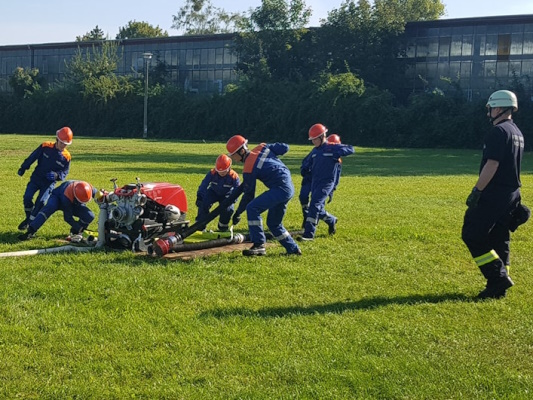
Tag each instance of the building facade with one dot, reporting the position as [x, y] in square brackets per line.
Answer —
[479, 54]
[195, 63]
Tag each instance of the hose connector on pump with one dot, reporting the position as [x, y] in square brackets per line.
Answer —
[165, 246]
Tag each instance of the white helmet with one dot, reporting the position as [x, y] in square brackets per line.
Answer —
[503, 99]
[172, 213]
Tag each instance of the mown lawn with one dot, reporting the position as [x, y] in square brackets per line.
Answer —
[384, 309]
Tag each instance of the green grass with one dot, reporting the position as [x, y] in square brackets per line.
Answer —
[385, 309]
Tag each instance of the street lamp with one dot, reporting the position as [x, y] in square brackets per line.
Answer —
[147, 57]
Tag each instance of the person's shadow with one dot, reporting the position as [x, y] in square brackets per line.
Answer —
[337, 307]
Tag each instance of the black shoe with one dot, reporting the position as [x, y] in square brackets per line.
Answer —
[26, 236]
[23, 225]
[304, 238]
[255, 250]
[496, 289]
[298, 252]
[332, 229]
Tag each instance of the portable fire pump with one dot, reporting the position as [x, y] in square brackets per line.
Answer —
[137, 213]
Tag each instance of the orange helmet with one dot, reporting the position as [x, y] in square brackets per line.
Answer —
[316, 131]
[235, 143]
[334, 139]
[223, 163]
[83, 192]
[64, 135]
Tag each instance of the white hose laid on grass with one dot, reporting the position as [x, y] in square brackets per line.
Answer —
[45, 251]
[102, 217]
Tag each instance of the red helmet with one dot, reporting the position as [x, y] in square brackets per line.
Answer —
[316, 131]
[235, 143]
[223, 163]
[83, 192]
[334, 139]
[64, 135]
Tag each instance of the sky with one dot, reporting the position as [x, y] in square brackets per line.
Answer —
[55, 21]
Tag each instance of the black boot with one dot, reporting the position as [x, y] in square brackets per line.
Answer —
[30, 233]
[23, 225]
[496, 289]
[498, 280]
[255, 250]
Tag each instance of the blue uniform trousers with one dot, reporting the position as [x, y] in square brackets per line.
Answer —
[44, 188]
[317, 211]
[55, 203]
[275, 201]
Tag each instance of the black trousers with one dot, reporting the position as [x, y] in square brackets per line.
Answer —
[486, 229]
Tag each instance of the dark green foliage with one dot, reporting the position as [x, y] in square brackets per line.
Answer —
[140, 29]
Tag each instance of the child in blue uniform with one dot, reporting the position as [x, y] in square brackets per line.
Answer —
[262, 163]
[71, 198]
[53, 164]
[324, 171]
[217, 186]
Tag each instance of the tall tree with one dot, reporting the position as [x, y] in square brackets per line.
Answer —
[200, 17]
[93, 73]
[140, 29]
[367, 37]
[95, 34]
[25, 81]
[272, 39]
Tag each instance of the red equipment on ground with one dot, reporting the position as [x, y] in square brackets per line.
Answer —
[138, 213]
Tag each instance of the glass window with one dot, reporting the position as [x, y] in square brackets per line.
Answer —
[516, 43]
[466, 70]
[188, 59]
[219, 56]
[204, 57]
[443, 70]
[528, 43]
[422, 48]
[410, 49]
[228, 56]
[491, 45]
[455, 45]
[502, 69]
[433, 47]
[211, 57]
[196, 58]
[504, 47]
[467, 45]
[515, 68]
[527, 68]
[489, 69]
[174, 61]
[455, 70]
[444, 47]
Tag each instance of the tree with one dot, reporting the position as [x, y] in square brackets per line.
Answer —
[200, 17]
[95, 34]
[272, 42]
[25, 81]
[93, 73]
[140, 29]
[367, 37]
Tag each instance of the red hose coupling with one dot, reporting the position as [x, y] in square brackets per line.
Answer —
[164, 246]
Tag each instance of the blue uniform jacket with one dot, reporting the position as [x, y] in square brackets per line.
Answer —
[222, 186]
[48, 158]
[263, 164]
[325, 164]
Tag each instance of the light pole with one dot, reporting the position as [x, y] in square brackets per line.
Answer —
[147, 57]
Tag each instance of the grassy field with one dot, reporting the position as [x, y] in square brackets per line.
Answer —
[385, 309]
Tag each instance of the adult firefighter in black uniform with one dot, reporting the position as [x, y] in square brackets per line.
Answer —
[495, 196]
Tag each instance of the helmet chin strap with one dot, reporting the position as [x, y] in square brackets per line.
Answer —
[492, 119]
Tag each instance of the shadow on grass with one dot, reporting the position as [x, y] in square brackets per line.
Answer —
[338, 307]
